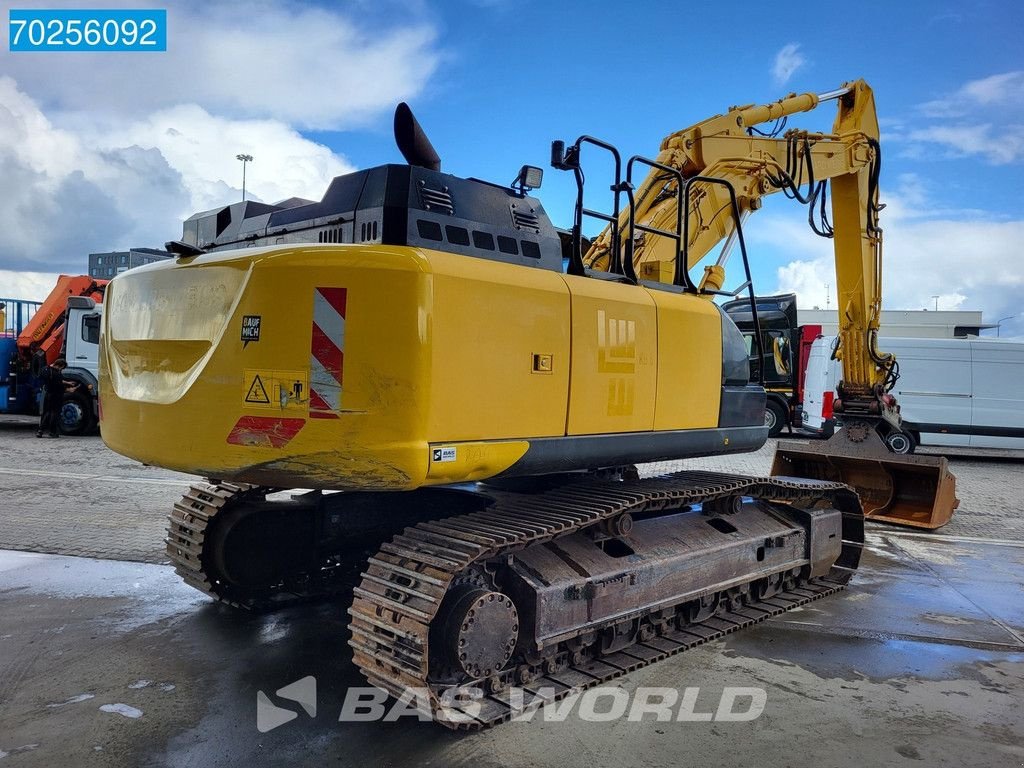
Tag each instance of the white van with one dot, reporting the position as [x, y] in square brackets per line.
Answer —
[961, 392]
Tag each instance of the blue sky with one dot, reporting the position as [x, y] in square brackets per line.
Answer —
[308, 90]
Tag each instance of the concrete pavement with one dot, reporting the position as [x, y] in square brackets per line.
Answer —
[114, 662]
[919, 662]
[73, 496]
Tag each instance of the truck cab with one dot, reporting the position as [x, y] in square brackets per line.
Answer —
[785, 345]
[81, 350]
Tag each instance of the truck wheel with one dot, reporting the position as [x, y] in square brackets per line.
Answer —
[900, 442]
[75, 417]
[774, 418]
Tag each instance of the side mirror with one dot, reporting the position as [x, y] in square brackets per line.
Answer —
[564, 159]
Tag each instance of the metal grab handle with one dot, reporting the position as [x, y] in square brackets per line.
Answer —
[570, 160]
[633, 226]
[682, 264]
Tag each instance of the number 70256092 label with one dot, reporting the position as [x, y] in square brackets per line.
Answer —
[78, 29]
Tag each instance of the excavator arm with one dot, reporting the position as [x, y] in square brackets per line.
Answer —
[705, 166]
[801, 164]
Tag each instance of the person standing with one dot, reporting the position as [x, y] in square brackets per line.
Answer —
[36, 365]
[54, 386]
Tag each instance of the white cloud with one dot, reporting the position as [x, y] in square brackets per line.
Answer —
[33, 286]
[108, 151]
[968, 263]
[86, 187]
[1006, 88]
[787, 61]
[202, 148]
[983, 118]
[997, 145]
[310, 66]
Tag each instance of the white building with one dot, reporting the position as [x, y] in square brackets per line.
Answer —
[915, 323]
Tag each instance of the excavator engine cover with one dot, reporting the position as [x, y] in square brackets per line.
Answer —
[916, 491]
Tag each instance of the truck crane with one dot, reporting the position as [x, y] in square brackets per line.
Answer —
[65, 324]
[464, 416]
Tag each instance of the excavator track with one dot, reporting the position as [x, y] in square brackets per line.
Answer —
[397, 604]
[190, 525]
[196, 541]
[399, 599]
[187, 530]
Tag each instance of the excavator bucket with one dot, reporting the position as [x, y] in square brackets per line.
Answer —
[917, 491]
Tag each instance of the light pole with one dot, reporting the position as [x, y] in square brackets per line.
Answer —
[934, 297]
[1000, 321]
[245, 159]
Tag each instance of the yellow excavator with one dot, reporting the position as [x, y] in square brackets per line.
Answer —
[462, 392]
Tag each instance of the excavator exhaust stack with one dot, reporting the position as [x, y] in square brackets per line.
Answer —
[915, 491]
[412, 140]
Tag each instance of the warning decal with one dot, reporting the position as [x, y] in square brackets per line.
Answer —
[275, 390]
[257, 392]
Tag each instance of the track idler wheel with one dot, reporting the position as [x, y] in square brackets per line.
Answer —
[480, 631]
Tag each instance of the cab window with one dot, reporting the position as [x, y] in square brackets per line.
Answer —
[91, 329]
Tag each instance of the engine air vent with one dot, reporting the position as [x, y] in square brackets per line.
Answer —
[525, 218]
[439, 200]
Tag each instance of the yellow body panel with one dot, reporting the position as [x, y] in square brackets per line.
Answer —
[614, 358]
[464, 462]
[689, 362]
[488, 321]
[447, 367]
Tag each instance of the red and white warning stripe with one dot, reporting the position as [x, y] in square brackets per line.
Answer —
[327, 352]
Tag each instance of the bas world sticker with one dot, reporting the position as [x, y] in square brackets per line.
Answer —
[444, 454]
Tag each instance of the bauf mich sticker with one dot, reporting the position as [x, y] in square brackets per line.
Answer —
[250, 328]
